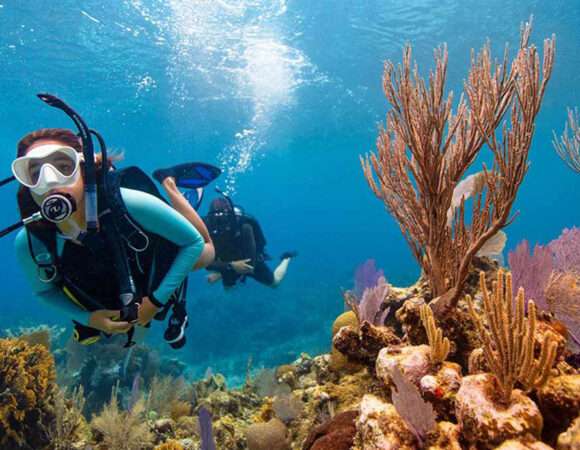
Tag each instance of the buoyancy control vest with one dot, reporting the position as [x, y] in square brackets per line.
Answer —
[87, 273]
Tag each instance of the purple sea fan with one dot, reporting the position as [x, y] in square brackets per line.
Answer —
[416, 412]
[532, 272]
[207, 439]
[366, 276]
[369, 308]
[566, 251]
[563, 295]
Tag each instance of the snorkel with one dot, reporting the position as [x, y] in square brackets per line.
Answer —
[90, 177]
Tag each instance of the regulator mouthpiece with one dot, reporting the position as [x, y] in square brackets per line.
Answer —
[57, 208]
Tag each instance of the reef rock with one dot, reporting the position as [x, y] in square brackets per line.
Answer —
[487, 423]
[446, 437]
[414, 362]
[409, 317]
[271, 435]
[335, 434]
[379, 427]
[559, 402]
[570, 440]
[364, 344]
[441, 388]
[513, 444]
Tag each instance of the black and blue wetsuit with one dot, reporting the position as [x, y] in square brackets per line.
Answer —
[160, 272]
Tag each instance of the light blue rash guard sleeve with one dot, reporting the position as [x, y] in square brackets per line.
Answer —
[48, 293]
[155, 216]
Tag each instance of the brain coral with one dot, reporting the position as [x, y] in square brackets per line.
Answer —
[27, 386]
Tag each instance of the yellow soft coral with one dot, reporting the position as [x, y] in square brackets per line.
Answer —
[170, 445]
[27, 376]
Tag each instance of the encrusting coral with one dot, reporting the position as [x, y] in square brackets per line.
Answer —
[508, 342]
[27, 388]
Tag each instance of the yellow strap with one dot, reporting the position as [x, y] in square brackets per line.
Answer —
[73, 298]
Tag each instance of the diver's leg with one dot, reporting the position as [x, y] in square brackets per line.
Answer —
[181, 205]
[280, 271]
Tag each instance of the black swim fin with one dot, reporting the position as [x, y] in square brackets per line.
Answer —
[189, 175]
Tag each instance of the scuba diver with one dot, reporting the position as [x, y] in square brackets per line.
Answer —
[240, 247]
[101, 244]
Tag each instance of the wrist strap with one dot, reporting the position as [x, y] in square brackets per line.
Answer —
[155, 302]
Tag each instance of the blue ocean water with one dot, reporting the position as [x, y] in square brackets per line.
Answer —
[284, 96]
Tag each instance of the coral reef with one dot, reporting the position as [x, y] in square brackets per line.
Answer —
[27, 389]
[459, 360]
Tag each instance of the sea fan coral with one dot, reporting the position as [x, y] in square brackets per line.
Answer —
[416, 412]
[531, 271]
[27, 389]
[566, 251]
[366, 276]
[563, 296]
[370, 307]
[425, 149]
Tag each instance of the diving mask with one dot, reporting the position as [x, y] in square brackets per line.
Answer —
[48, 167]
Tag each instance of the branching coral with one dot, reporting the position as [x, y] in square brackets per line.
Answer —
[68, 416]
[120, 430]
[568, 145]
[425, 150]
[26, 393]
[438, 344]
[164, 394]
[508, 340]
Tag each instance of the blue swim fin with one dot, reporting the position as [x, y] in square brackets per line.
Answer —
[189, 175]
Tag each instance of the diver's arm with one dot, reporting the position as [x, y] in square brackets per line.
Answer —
[219, 266]
[181, 205]
[249, 243]
[159, 218]
[49, 293]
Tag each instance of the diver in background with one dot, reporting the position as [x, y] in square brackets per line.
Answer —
[240, 247]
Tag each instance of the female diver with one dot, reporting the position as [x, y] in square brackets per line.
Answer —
[79, 278]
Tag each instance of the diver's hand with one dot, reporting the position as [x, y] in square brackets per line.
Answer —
[214, 277]
[242, 267]
[147, 311]
[106, 320]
